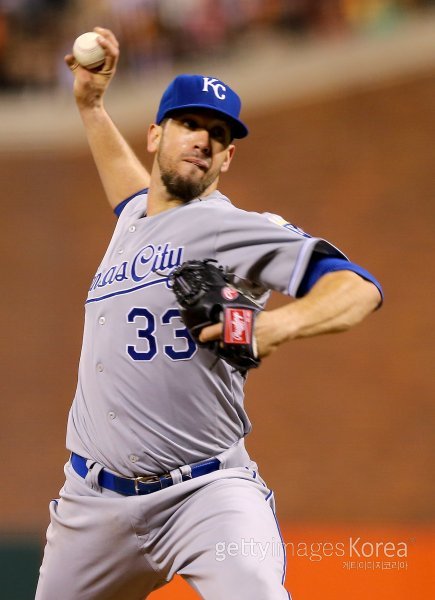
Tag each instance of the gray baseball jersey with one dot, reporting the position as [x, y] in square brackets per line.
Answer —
[148, 399]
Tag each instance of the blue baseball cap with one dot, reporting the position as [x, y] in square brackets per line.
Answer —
[199, 91]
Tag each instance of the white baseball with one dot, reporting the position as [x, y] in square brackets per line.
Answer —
[87, 51]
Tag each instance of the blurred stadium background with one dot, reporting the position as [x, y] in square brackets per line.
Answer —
[339, 96]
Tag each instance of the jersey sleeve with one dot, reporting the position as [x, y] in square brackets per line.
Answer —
[267, 250]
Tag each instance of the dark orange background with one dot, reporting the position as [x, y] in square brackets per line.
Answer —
[343, 425]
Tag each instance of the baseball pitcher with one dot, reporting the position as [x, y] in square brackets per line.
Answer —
[159, 481]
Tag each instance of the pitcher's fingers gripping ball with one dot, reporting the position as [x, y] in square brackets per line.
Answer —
[87, 51]
[97, 52]
[206, 296]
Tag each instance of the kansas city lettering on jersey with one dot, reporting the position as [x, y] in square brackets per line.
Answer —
[148, 260]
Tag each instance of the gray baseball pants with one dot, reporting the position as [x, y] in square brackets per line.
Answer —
[218, 531]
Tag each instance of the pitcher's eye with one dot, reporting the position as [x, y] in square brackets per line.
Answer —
[219, 133]
[190, 123]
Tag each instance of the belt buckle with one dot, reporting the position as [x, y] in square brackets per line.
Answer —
[149, 479]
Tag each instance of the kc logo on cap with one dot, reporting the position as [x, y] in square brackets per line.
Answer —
[216, 85]
[200, 92]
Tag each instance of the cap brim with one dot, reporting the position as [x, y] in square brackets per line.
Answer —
[238, 128]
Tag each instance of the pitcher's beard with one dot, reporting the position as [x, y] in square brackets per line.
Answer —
[183, 188]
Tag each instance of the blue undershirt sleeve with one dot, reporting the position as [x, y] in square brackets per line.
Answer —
[120, 207]
[320, 265]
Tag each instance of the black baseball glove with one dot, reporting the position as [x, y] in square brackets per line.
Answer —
[206, 296]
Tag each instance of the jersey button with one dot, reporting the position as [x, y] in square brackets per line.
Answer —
[132, 228]
[111, 415]
[120, 251]
[133, 458]
[100, 368]
[102, 320]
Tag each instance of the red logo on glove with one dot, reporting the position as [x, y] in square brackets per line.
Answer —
[229, 293]
[238, 326]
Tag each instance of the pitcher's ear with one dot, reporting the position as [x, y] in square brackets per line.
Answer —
[154, 136]
[230, 153]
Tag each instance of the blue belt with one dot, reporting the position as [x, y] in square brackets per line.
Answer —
[138, 486]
